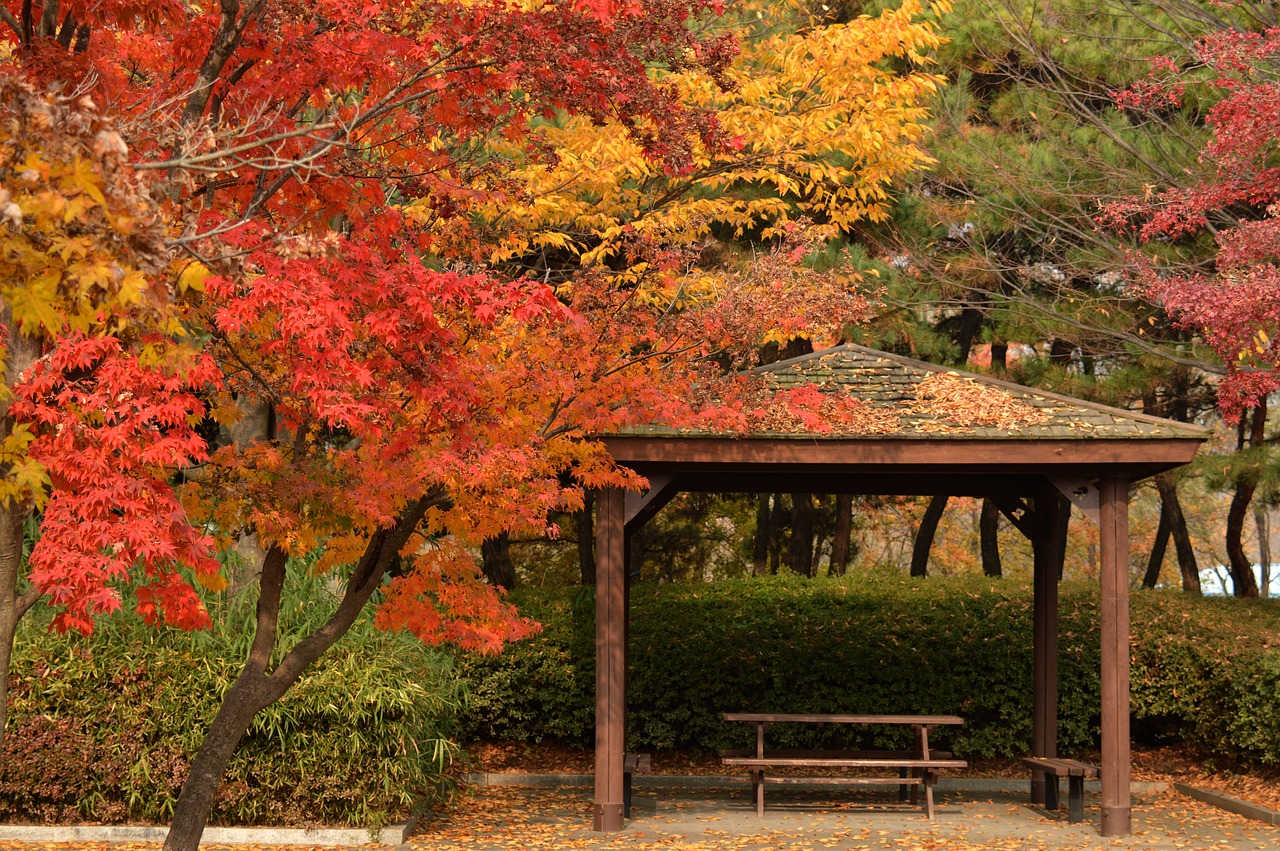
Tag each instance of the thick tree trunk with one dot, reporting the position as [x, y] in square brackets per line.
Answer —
[1243, 582]
[970, 323]
[587, 540]
[924, 536]
[1000, 357]
[800, 549]
[495, 560]
[21, 352]
[1158, 548]
[1168, 488]
[842, 536]
[12, 605]
[258, 687]
[988, 538]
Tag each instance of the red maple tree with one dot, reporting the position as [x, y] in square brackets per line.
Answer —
[1236, 305]
[314, 165]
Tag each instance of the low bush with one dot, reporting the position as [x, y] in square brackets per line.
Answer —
[103, 729]
[1204, 671]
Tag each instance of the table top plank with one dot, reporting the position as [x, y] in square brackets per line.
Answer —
[810, 718]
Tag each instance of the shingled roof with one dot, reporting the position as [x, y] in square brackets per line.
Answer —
[907, 399]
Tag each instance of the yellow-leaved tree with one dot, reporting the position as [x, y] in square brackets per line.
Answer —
[815, 121]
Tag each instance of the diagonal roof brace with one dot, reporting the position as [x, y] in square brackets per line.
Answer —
[651, 501]
[1083, 494]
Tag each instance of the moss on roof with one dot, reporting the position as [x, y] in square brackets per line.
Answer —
[905, 398]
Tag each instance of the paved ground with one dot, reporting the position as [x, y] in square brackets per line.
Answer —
[504, 819]
[723, 819]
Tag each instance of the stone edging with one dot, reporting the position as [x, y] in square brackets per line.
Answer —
[1230, 804]
[392, 834]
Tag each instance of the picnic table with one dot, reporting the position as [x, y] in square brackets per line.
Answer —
[917, 767]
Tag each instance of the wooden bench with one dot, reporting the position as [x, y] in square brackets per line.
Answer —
[1075, 772]
[633, 763]
[918, 768]
[924, 773]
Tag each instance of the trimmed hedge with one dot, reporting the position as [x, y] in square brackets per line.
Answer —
[1206, 672]
[104, 729]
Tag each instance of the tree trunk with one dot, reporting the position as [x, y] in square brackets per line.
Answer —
[587, 540]
[1000, 357]
[842, 536]
[1243, 582]
[12, 605]
[924, 536]
[760, 542]
[970, 323]
[800, 549]
[21, 353]
[1158, 547]
[495, 560]
[1168, 488]
[1262, 521]
[258, 687]
[989, 540]
[774, 541]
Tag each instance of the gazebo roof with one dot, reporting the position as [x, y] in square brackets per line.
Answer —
[910, 399]
[921, 424]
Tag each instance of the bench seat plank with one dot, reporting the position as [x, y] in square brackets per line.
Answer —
[1062, 767]
[1075, 772]
[850, 781]
[785, 762]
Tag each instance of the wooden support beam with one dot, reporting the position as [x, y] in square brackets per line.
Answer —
[1018, 513]
[642, 506]
[1114, 617]
[1083, 494]
[611, 670]
[1044, 713]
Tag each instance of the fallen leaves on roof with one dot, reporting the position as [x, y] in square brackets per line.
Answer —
[962, 401]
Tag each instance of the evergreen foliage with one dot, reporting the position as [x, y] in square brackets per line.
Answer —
[1205, 671]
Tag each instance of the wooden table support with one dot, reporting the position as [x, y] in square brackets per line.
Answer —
[917, 768]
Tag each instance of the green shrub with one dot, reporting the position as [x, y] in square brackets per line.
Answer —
[104, 728]
[1204, 671]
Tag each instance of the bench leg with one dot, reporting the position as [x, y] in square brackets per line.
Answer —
[757, 780]
[902, 787]
[1050, 791]
[1075, 799]
[626, 795]
[927, 778]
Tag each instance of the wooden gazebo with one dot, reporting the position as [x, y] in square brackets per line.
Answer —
[926, 430]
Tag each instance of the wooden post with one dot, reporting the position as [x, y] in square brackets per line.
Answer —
[1114, 616]
[611, 669]
[1044, 711]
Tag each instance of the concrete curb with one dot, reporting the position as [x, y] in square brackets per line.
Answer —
[392, 834]
[719, 781]
[1232, 805]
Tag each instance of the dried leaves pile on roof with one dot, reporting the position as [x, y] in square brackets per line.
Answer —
[942, 403]
[963, 401]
